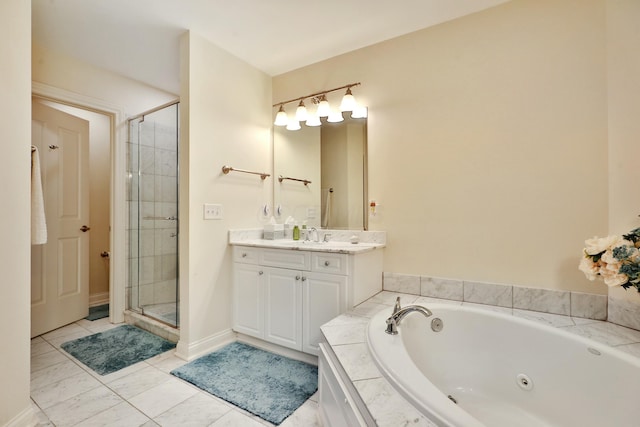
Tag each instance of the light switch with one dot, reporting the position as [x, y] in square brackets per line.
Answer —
[212, 211]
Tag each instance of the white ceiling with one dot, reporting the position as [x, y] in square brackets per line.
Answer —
[140, 38]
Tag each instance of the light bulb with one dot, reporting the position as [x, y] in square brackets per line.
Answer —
[335, 117]
[359, 113]
[313, 120]
[281, 117]
[301, 112]
[293, 125]
[324, 109]
[348, 101]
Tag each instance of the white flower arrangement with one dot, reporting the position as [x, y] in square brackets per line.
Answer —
[614, 258]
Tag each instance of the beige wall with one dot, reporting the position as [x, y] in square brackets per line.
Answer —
[225, 120]
[15, 139]
[623, 82]
[487, 141]
[64, 72]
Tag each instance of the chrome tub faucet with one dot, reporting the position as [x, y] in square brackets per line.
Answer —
[399, 313]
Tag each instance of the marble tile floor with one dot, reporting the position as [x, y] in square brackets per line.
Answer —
[66, 393]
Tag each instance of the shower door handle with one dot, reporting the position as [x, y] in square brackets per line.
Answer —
[84, 228]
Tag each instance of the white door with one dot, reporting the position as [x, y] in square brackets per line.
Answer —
[60, 268]
[283, 309]
[323, 298]
[248, 299]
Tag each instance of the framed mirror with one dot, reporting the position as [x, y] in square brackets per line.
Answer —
[333, 157]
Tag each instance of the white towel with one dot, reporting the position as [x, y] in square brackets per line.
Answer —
[326, 196]
[38, 219]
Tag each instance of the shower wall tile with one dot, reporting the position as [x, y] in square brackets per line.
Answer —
[164, 292]
[404, 283]
[147, 160]
[147, 243]
[147, 136]
[147, 270]
[169, 163]
[147, 188]
[441, 288]
[589, 306]
[544, 300]
[146, 294]
[169, 267]
[488, 293]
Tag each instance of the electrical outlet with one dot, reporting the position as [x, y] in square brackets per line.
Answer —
[311, 213]
[212, 211]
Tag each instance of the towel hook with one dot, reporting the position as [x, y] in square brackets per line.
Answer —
[53, 147]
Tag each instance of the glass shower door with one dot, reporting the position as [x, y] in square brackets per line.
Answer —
[153, 215]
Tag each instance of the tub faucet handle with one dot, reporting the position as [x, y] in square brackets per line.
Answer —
[396, 308]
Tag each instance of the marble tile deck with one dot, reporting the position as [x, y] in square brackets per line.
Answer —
[66, 393]
[346, 334]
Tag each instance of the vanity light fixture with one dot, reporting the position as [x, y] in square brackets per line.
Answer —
[313, 120]
[293, 125]
[301, 112]
[359, 112]
[323, 109]
[281, 117]
[348, 101]
[335, 117]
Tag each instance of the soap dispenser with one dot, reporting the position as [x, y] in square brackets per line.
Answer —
[296, 232]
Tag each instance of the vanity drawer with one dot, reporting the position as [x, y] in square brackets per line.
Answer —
[285, 258]
[331, 263]
[246, 254]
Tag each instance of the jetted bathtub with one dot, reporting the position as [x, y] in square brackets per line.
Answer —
[490, 369]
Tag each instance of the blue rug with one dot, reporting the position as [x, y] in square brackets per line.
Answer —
[265, 384]
[98, 312]
[116, 348]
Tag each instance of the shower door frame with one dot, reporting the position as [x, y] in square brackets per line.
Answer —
[128, 303]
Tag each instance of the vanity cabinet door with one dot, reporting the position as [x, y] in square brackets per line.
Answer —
[283, 307]
[323, 298]
[248, 299]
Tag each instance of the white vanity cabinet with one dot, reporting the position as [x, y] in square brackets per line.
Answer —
[283, 296]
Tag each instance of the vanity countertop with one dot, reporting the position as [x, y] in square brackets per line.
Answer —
[340, 241]
[301, 245]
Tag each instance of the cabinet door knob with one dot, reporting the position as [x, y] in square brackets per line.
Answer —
[244, 255]
[326, 263]
[260, 273]
[297, 277]
[304, 278]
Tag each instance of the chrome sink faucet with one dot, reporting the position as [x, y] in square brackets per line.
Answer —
[399, 313]
[312, 235]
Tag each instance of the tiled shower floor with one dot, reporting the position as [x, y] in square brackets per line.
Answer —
[66, 393]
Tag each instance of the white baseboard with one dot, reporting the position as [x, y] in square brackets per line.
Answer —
[26, 418]
[206, 345]
[98, 299]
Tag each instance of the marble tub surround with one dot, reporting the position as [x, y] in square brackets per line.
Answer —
[576, 304]
[624, 312]
[346, 334]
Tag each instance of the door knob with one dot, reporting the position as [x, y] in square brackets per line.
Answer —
[84, 228]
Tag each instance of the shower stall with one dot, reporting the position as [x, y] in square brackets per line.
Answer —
[153, 226]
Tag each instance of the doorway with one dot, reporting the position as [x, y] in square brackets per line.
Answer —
[91, 276]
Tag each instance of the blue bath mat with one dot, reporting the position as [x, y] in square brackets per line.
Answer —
[98, 312]
[116, 348]
[265, 384]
